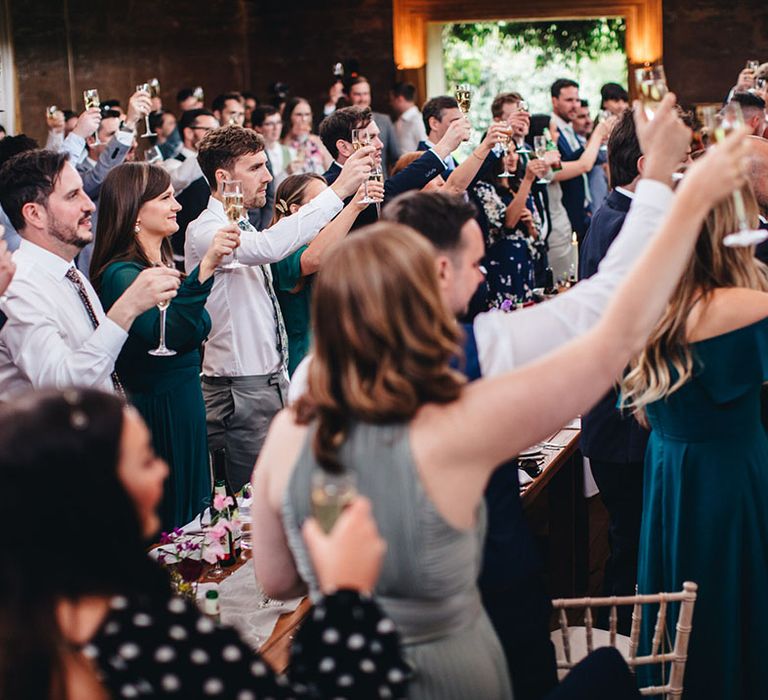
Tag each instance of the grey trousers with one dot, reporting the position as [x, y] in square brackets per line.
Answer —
[238, 413]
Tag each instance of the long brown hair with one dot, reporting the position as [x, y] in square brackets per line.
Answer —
[291, 191]
[123, 193]
[383, 338]
[666, 363]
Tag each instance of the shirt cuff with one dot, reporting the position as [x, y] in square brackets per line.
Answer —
[125, 137]
[328, 199]
[74, 144]
[654, 194]
[110, 337]
[434, 153]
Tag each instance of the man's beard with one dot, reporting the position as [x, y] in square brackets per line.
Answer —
[259, 200]
[69, 235]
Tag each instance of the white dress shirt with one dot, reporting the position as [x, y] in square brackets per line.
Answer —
[49, 340]
[410, 129]
[243, 338]
[183, 172]
[506, 341]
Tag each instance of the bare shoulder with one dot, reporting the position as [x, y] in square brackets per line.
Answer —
[727, 310]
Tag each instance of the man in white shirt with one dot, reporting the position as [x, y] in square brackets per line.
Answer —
[244, 368]
[409, 126]
[57, 334]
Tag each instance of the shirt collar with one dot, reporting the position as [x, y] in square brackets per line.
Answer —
[337, 164]
[188, 152]
[561, 123]
[217, 208]
[54, 265]
[429, 143]
[625, 192]
[91, 162]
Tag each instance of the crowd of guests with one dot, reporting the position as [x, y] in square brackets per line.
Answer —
[403, 306]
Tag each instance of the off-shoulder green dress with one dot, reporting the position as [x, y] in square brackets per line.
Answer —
[166, 390]
[705, 514]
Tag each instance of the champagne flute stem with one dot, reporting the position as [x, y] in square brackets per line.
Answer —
[365, 188]
[741, 211]
[162, 328]
[146, 125]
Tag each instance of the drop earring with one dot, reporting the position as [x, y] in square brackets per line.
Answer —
[137, 227]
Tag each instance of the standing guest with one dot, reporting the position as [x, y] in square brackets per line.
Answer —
[360, 96]
[115, 630]
[250, 102]
[614, 98]
[229, 109]
[138, 217]
[294, 274]
[163, 124]
[57, 333]
[384, 405]
[409, 126]
[244, 368]
[753, 108]
[597, 179]
[697, 386]
[336, 132]
[187, 99]
[613, 441]
[308, 155]
[335, 93]
[189, 184]
[268, 122]
[438, 114]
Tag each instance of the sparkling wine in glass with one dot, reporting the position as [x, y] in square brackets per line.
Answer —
[234, 207]
[652, 84]
[540, 151]
[522, 106]
[360, 139]
[377, 175]
[91, 99]
[161, 350]
[604, 115]
[331, 494]
[464, 97]
[505, 138]
[145, 87]
[719, 125]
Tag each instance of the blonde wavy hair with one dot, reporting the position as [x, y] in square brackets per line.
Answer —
[667, 363]
[383, 337]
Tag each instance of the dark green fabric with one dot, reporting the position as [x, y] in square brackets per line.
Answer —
[705, 515]
[286, 274]
[166, 390]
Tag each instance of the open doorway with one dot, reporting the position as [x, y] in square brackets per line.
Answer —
[525, 57]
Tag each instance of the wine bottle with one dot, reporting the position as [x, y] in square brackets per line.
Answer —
[222, 488]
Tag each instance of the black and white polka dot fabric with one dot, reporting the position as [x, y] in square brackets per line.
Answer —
[344, 649]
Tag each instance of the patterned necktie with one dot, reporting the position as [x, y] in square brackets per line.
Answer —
[73, 277]
[281, 337]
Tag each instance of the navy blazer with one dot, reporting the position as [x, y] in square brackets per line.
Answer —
[606, 434]
[761, 250]
[414, 177]
[573, 191]
[424, 146]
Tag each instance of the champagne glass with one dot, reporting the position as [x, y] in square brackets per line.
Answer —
[232, 197]
[604, 115]
[505, 139]
[360, 139]
[377, 175]
[753, 65]
[464, 97]
[198, 94]
[522, 106]
[331, 494]
[153, 155]
[145, 87]
[161, 350]
[91, 99]
[719, 125]
[154, 88]
[540, 151]
[50, 112]
[652, 83]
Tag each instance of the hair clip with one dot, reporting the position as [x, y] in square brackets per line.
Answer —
[282, 206]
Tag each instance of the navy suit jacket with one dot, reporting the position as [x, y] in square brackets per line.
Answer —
[761, 250]
[573, 191]
[424, 146]
[606, 434]
[414, 177]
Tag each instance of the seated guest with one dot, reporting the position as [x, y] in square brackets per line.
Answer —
[613, 441]
[511, 579]
[293, 275]
[308, 154]
[190, 187]
[753, 108]
[244, 367]
[336, 132]
[106, 625]
[360, 96]
[384, 405]
[57, 333]
[614, 98]
[138, 217]
[409, 126]
[510, 225]
[268, 122]
[229, 109]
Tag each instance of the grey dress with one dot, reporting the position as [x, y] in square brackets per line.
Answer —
[428, 580]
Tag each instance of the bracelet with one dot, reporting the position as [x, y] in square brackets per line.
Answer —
[477, 156]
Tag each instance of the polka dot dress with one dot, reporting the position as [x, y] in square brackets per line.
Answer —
[344, 649]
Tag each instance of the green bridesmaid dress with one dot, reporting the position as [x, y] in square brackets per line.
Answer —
[166, 390]
[705, 515]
